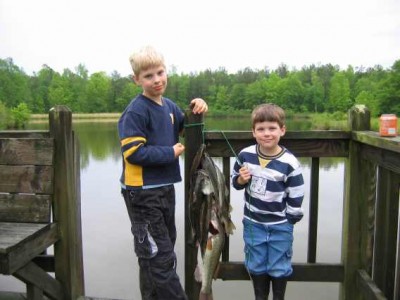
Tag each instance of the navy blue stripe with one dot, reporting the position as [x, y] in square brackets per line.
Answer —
[262, 218]
[275, 186]
[280, 166]
[294, 202]
[266, 206]
[295, 180]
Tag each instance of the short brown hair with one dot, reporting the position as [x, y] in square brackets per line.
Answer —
[268, 112]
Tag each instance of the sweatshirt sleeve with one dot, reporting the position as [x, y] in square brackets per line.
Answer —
[134, 147]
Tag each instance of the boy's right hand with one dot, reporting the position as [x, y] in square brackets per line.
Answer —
[178, 149]
[244, 175]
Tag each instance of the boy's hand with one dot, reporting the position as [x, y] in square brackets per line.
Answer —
[199, 106]
[244, 175]
[178, 149]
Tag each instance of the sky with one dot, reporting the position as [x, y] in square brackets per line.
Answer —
[198, 35]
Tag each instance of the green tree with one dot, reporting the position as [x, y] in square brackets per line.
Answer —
[4, 116]
[97, 93]
[20, 115]
[314, 94]
[390, 91]
[368, 99]
[222, 100]
[14, 84]
[39, 84]
[60, 92]
[339, 93]
[291, 92]
[129, 91]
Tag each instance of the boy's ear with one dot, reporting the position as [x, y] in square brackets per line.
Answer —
[134, 79]
[283, 129]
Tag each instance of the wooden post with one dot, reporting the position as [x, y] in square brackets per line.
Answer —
[193, 140]
[355, 208]
[66, 204]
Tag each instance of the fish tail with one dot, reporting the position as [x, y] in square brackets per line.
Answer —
[198, 274]
[204, 296]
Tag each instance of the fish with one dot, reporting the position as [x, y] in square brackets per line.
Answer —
[209, 216]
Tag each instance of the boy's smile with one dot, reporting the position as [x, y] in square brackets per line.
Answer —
[153, 82]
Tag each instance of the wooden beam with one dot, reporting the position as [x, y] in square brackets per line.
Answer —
[21, 242]
[368, 288]
[317, 272]
[31, 274]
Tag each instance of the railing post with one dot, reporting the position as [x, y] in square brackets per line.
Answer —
[193, 140]
[66, 204]
[355, 208]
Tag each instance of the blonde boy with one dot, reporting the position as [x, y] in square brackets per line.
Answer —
[149, 131]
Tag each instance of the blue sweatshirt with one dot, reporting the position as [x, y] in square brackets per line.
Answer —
[147, 132]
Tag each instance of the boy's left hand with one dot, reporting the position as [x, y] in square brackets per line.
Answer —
[199, 106]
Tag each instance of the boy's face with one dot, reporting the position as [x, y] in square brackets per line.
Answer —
[153, 82]
[268, 135]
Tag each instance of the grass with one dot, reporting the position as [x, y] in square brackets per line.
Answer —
[80, 117]
[320, 121]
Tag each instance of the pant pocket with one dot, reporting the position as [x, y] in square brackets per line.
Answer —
[289, 253]
[145, 246]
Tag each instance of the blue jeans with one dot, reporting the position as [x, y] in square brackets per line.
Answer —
[268, 248]
[152, 216]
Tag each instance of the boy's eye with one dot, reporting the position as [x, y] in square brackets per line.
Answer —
[160, 73]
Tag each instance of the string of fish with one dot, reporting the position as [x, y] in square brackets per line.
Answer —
[233, 152]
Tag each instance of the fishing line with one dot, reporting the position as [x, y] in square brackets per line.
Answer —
[229, 144]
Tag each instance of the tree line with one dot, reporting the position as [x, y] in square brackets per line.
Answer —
[313, 88]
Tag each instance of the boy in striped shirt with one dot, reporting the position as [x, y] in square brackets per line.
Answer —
[274, 189]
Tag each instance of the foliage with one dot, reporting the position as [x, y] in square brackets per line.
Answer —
[20, 116]
[314, 88]
[3, 116]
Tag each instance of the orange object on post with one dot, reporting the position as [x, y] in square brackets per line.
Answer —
[388, 125]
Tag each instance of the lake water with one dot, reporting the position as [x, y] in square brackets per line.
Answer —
[110, 265]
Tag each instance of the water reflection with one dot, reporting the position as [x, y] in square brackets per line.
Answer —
[109, 261]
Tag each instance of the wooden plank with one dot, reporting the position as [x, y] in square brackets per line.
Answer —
[95, 298]
[295, 135]
[45, 262]
[34, 276]
[25, 208]
[68, 250]
[354, 222]
[313, 212]
[385, 158]
[332, 144]
[301, 272]
[373, 139]
[193, 140]
[26, 179]
[33, 292]
[26, 151]
[22, 134]
[368, 287]
[386, 233]
[21, 242]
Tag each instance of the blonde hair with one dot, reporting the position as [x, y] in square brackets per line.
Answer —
[145, 58]
[268, 112]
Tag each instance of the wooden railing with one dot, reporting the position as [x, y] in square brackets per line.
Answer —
[370, 236]
[40, 207]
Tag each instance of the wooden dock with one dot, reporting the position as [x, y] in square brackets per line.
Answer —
[40, 207]
[370, 239]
